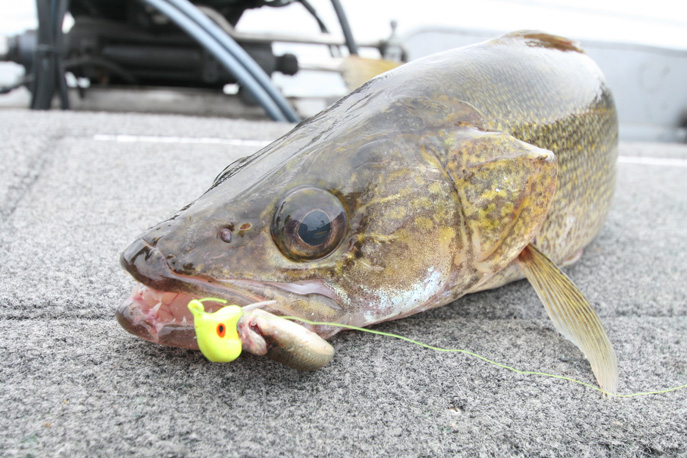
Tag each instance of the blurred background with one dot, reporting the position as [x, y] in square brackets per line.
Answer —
[295, 57]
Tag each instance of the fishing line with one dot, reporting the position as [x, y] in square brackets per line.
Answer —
[475, 355]
[196, 307]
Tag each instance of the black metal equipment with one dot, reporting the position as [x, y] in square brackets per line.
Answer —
[48, 71]
[161, 43]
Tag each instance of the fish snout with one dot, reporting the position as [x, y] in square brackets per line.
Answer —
[147, 265]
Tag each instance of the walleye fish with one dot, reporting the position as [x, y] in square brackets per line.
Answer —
[455, 173]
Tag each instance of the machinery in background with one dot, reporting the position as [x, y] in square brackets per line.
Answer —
[175, 44]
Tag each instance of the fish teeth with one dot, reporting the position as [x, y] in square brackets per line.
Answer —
[156, 308]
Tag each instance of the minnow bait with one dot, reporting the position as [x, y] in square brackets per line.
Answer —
[219, 340]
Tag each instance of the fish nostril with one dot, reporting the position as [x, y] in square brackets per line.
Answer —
[146, 264]
[225, 234]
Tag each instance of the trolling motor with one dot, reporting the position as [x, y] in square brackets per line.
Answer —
[162, 43]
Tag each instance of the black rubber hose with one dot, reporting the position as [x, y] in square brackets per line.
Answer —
[239, 54]
[47, 69]
[345, 28]
[43, 86]
[210, 43]
[58, 19]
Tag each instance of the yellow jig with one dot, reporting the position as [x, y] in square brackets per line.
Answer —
[216, 332]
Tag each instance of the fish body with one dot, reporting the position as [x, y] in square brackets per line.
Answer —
[427, 183]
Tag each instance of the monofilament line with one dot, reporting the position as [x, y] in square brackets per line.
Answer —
[475, 355]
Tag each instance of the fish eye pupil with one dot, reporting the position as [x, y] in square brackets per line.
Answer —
[315, 228]
[221, 330]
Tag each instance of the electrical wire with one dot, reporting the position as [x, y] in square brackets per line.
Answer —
[333, 49]
[313, 12]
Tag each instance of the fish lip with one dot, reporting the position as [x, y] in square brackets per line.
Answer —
[147, 265]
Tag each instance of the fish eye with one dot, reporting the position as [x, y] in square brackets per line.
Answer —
[221, 330]
[309, 223]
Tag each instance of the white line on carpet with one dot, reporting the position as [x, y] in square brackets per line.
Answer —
[179, 140]
[659, 161]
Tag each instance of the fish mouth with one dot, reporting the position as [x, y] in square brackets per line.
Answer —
[160, 317]
[157, 309]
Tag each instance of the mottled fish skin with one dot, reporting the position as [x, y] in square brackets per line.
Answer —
[445, 169]
[560, 102]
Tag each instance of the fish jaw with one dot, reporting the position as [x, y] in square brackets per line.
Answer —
[150, 314]
[157, 309]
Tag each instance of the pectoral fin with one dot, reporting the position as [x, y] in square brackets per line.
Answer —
[572, 314]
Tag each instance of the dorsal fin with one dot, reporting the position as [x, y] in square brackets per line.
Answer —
[540, 39]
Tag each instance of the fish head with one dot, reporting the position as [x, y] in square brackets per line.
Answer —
[385, 204]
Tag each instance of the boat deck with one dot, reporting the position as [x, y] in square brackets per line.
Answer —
[76, 188]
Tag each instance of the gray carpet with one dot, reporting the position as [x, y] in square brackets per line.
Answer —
[73, 383]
